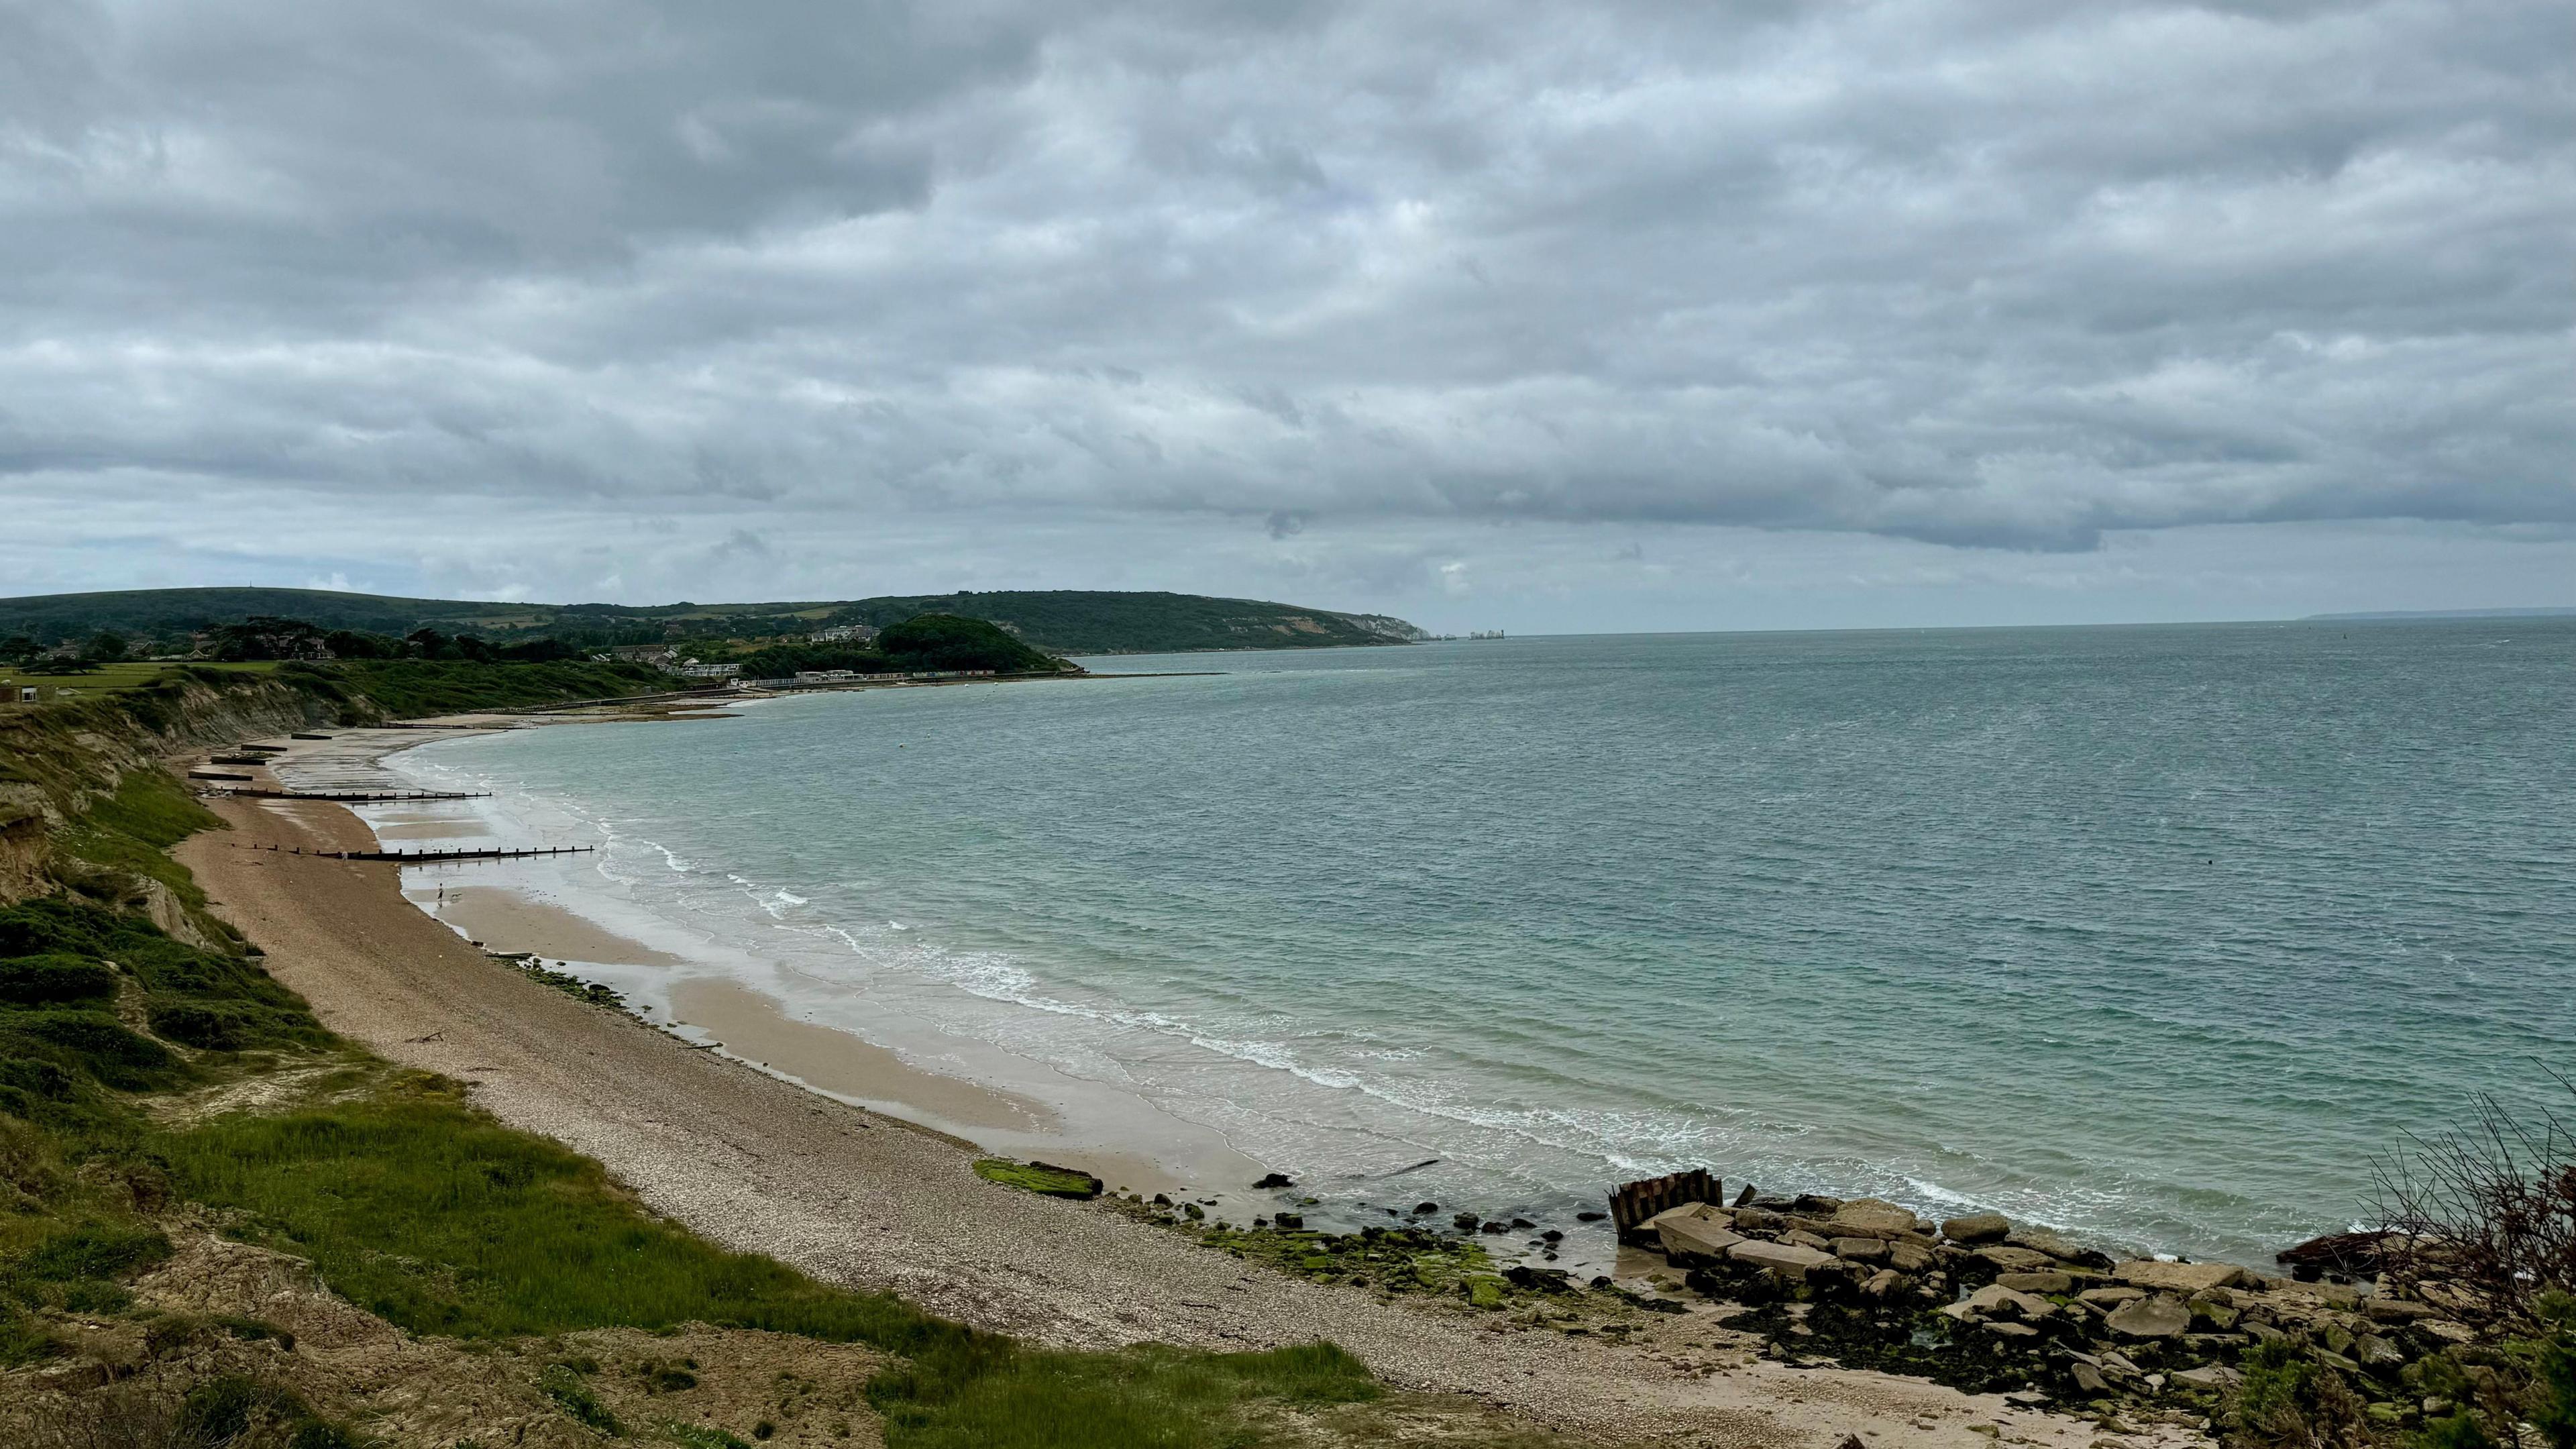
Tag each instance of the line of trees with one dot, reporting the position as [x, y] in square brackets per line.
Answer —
[267, 636]
[924, 642]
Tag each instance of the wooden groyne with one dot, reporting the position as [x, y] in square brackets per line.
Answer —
[347, 797]
[428, 857]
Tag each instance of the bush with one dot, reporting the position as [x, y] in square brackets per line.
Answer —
[93, 1250]
[2485, 1217]
[52, 978]
[209, 1028]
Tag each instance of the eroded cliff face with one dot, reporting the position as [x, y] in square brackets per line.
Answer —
[60, 761]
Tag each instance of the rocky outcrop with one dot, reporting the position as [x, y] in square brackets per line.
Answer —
[1988, 1304]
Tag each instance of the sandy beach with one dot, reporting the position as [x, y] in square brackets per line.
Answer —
[861, 1197]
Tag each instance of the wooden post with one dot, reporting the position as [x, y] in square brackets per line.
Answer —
[1633, 1202]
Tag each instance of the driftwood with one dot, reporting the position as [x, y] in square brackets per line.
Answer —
[1631, 1203]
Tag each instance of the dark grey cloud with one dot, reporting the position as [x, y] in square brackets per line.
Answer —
[2003, 275]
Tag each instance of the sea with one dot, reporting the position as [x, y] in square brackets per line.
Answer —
[2166, 936]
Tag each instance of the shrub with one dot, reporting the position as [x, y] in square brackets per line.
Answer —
[2485, 1217]
[94, 1250]
[53, 977]
[211, 1028]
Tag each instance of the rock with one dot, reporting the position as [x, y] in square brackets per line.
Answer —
[1977, 1228]
[1758, 1220]
[1791, 1261]
[2037, 1282]
[1289, 1220]
[1745, 1198]
[1860, 1250]
[1805, 1239]
[1590, 1217]
[2159, 1316]
[1483, 1292]
[2208, 1378]
[2218, 1316]
[1271, 1180]
[1868, 1217]
[2184, 1278]
[2010, 1330]
[2017, 1260]
[2057, 1245]
[2334, 1360]
[2377, 1352]
[1493, 1227]
[1908, 1258]
[1883, 1284]
[1996, 1301]
[1463, 1222]
[1425, 1209]
[1816, 1204]
[1689, 1240]
[2354, 1254]
[1551, 1237]
[2088, 1379]
[2109, 1298]
[1699, 1210]
[1539, 1280]
[2398, 1310]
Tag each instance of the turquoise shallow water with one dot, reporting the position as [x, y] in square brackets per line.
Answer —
[2157, 933]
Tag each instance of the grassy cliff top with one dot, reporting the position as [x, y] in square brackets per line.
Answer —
[1061, 621]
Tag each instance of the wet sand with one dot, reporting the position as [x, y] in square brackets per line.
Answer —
[752, 1027]
[504, 920]
[427, 830]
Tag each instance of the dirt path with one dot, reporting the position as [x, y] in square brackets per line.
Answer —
[756, 1163]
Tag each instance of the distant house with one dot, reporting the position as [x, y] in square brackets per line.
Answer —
[659, 655]
[844, 634]
[695, 670]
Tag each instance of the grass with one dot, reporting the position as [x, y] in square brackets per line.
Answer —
[1148, 1397]
[440, 1220]
[124, 675]
[129, 833]
[436, 1218]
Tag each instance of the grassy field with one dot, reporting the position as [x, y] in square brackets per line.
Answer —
[124, 676]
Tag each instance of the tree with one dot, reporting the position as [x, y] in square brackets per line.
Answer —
[266, 636]
[104, 647]
[947, 641]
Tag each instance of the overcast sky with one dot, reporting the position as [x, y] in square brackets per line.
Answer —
[1700, 315]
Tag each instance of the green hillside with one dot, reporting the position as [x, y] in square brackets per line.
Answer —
[1060, 621]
